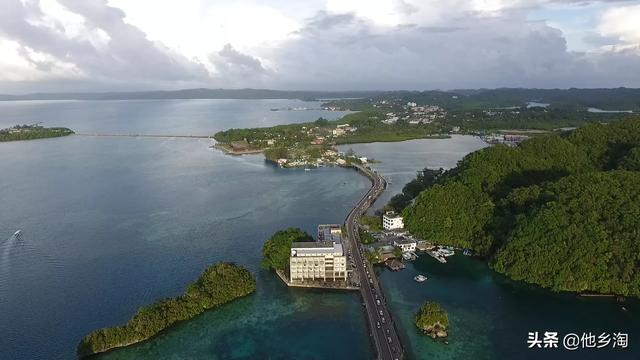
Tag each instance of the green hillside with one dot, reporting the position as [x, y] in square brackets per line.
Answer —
[558, 211]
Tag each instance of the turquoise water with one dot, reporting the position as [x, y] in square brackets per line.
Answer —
[111, 224]
[490, 316]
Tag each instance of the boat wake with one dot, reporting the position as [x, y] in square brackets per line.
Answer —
[6, 250]
[16, 259]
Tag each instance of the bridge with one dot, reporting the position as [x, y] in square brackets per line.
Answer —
[381, 324]
[147, 135]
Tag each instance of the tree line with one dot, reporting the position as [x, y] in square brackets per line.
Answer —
[560, 211]
[219, 284]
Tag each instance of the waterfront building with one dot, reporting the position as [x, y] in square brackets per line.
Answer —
[319, 260]
[338, 132]
[323, 259]
[392, 221]
[407, 245]
[330, 232]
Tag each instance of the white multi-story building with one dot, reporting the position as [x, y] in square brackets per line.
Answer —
[319, 260]
[392, 221]
[407, 245]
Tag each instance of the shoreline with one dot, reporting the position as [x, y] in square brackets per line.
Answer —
[228, 151]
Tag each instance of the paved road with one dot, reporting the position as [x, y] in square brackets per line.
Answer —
[381, 325]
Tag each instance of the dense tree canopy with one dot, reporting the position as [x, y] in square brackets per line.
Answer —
[582, 233]
[456, 214]
[218, 284]
[431, 315]
[32, 132]
[276, 250]
[425, 179]
[631, 161]
[552, 211]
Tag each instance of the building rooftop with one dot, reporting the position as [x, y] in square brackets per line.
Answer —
[404, 240]
[392, 215]
[317, 248]
[330, 232]
[312, 245]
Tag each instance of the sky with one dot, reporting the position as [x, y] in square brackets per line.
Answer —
[116, 45]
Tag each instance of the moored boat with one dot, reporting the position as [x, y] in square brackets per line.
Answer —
[419, 278]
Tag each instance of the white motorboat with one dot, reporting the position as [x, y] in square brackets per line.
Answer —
[420, 278]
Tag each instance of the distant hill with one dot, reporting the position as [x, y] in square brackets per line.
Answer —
[561, 211]
[607, 99]
[195, 94]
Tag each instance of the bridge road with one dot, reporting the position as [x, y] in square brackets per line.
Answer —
[381, 324]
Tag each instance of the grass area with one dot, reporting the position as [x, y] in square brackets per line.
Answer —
[365, 236]
[373, 222]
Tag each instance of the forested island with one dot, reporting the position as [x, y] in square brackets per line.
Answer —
[277, 249]
[31, 132]
[432, 320]
[219, 284]
[561, 211]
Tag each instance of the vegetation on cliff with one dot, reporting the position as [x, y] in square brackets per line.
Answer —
[276, 250]
[31, 132]
[219, 284]
[580, 234]
[425, 179]
[432, 319]
[558, 211]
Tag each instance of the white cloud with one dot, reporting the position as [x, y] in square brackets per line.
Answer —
[321, 44]
[622, 22]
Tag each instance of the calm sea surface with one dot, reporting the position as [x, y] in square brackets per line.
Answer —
[111, 224]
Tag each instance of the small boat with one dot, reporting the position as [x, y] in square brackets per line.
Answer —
[409, 256]
[467, 252]
[17, 233]
[446, 252]
[307, 169]
[419, 278]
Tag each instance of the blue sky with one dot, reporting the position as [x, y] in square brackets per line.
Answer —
[576, 22]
